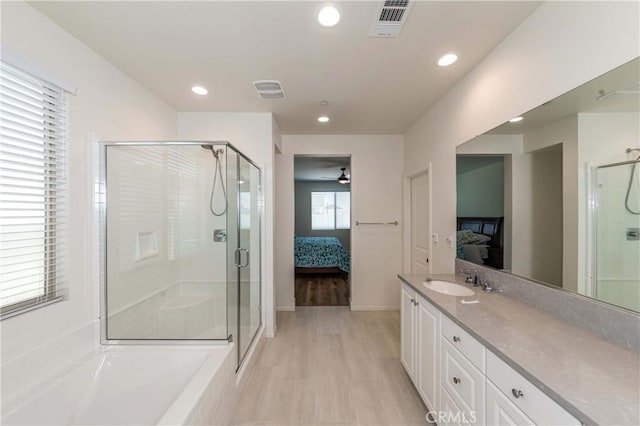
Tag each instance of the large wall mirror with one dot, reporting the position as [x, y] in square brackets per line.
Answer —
[554, 195]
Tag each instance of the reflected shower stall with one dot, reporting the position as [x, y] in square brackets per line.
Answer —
[180, 243]
[617, 233]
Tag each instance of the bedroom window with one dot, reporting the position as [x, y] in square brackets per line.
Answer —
[330, 210]
[32, 191]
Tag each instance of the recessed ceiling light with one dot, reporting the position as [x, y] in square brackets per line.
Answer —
[328, 16]
[447, 59]
[199, 90]
[323, 119]
[515, 119]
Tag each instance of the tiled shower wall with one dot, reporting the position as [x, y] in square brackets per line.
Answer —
[160, 238]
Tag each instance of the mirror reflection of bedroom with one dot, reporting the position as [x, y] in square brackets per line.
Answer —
[511, 203]
[480, 209]
[322, 230]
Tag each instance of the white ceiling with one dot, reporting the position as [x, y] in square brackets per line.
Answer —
[373, 85]
[313, 168]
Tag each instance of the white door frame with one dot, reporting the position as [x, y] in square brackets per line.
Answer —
[406, 213]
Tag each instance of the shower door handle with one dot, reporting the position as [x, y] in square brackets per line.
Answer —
[236, 257]
[239, 258]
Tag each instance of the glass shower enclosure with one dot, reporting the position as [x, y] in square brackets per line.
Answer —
[617, 234]
[180, 243]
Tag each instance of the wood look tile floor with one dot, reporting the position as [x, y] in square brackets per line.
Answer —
[331, 366]
[321, 290]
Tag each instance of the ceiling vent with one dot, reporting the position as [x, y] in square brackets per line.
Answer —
[390, 18]
[269, 89]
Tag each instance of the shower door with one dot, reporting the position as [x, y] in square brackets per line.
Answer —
[244, 252]
[248, 254]
[617, 235]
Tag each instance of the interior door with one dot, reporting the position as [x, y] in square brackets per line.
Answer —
[248, 254]
[420, 218]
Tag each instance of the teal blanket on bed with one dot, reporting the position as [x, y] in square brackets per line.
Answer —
[320, 252]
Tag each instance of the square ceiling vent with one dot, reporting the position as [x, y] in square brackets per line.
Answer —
[269, 89]
[390, 18]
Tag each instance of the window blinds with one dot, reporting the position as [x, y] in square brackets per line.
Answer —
[33, 191]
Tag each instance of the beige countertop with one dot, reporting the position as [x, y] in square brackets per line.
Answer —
[596, 381]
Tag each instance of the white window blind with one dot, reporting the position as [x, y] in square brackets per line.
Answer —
[33, 191]
[330, 210]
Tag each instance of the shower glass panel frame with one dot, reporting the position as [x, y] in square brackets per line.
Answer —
[608, 266]
[230, 160]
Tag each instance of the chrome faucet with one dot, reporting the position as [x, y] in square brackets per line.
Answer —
[487, 286]
[468, 273]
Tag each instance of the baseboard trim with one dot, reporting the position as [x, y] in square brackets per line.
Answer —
[250, 359]
[375, 308]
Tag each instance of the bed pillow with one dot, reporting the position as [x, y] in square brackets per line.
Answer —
[467, 236]
[481, 239]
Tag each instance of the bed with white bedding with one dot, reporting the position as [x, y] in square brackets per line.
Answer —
[480, 240]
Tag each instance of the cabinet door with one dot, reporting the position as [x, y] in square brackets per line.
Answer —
[449, 413]
[407, 330]
[501, 411]
[463, 382]
[427, 368]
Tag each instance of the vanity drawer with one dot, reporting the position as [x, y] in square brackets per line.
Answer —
[463, 382]
[461, 340]
[527, 397]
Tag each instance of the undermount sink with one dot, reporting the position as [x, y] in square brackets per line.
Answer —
[448, 288]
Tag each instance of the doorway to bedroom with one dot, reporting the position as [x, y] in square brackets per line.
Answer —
[322, 243]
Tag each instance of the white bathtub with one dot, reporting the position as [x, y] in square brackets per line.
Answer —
[128, 385]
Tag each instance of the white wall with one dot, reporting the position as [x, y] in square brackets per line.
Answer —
[255, 135]
[564, 132]
[546, 238]
[376, 176]
[560, 46]
[109, 104]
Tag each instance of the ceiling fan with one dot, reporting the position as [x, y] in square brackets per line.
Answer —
[343, 178]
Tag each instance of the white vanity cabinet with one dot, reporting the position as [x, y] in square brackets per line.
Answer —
[420, 336]
[460, 381]
[528, 398]
[462, 368]
[501, 411]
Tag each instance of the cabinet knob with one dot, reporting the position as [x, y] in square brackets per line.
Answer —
[456, 339]
[517, 393]
[412, 300]
[415, 302]
[456, 380]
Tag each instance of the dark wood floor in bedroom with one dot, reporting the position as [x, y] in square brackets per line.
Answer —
[322, 290]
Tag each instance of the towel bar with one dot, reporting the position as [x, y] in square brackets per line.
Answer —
[395, 223]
